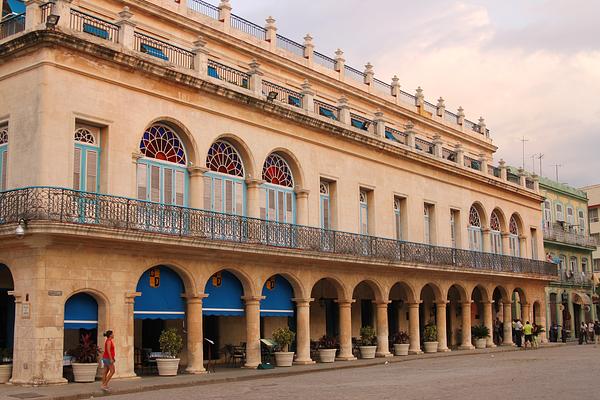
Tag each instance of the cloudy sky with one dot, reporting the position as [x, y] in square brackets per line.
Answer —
[530, 67]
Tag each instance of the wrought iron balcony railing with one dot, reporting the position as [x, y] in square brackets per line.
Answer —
[75, 207]
[575, 278]
[563, 234]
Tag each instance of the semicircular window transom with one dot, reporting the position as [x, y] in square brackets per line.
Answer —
[161, 143]
[513, 226]
[276, 171]
[224, 158]
[84, 135]
[495, 222]
[3, 136]
[474, 219]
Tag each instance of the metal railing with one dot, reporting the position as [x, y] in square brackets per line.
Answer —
[354, 74]
[248, 27]
[423, 145]
[450, 117]
[284, 95]
[382, 86]
[291, 46]
[449, 155]
[81, 208]
[395, 135]
[360, 122]
[204, 8]
[228, 74]
[163, 50]
[472, 163]
[407, 98]
[562, 234]
[430, 108]
[323, 60]
[98, 27]
[45, 9]
[12, 25]
[327, 110]
[576, 278]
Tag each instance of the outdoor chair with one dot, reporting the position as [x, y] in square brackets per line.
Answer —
[239, 354]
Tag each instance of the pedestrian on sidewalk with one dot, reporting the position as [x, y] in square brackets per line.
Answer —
[582, 333]
[497, 325]
[108, 359]
[536, 333]
[514, 330]
[596, 333]
[590, 326]
[519, 333]
[528, 331]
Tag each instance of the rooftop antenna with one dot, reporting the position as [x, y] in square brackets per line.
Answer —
[540, 157]
[533, 163]
[557, 166]
[524, 141]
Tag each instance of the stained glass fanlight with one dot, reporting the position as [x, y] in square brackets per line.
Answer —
[513, 226]
[495, 222]
[161, 143]
[474, 219]
[3, 135]
[222, 157]
[276, 171]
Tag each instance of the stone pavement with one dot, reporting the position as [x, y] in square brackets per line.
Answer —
[120, 387]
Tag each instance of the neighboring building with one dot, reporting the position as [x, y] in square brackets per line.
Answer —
[593, 193]
[567, 242]
[173, 165]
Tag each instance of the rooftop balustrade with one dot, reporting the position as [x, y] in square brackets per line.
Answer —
[76, 208]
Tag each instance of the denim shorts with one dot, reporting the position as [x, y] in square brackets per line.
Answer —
[106, 362]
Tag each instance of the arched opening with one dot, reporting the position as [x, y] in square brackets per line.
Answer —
[513, 234]
[496, 223]
[398, 314]
[520, 315]
[7, 314]
[224, 183]
[278, 200]
[363, 309]
[475, 228]
[429, 295]
[160, 306]
[277, 309]
[499, 298]
[454, 309]
[80, 326]
[324, 311]
[555, 317]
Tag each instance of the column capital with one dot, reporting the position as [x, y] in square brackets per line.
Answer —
[195, 171]
[130, 297]
[442, 302]
[381, 303]
[300, 301]
[487, 302]
[415, 304]
[253, 299]
[301, 193]
[253, 183]
[466, 303]
[195, 298]
[345, 302]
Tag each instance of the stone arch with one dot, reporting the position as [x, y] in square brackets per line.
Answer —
[340, 288]
[293, 162]
[482, 213]
[297, 286]
[437, 291]
[485, 294]
[191, 147]
[519, 221]
[247, 282]
[7, 307]
[501, 218]
[522, 294]
[243, 149]
[408, 289]
[500, 292]
[377, 289]
[462, 292]
[189, 283]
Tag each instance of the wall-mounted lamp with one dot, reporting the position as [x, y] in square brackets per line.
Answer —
[272, 96]
[20, 230]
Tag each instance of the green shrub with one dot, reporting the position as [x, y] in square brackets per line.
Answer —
[171, 343]
[401, 338]
[430, 334]
[87, 352]
[283, 337]
[368, 336]
[328, 342]
[480, 332]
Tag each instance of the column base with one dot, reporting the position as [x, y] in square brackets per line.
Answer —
[415, 352]
[250, 366]
[446, 350]
[304, 362]
[18, 382]
[508, 345]
[345, 358]
[384, 355]
[491, 346]
[467, 347]
[195, 371]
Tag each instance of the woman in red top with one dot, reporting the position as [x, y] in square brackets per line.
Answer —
[108, 359]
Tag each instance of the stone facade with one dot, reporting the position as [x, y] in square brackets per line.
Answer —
[393, 171]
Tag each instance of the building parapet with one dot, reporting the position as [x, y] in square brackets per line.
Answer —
[66, 206]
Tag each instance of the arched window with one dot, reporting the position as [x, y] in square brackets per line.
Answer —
[570, 216]
[560, 215]
[495, 234]
[581, 222]
[86, 159]
[278, 200]
[224, 186]
[475, 233]
[513, 230]
[325, 205]
[162, 173]
[3, 155]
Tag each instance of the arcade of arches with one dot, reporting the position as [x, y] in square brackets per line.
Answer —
[237, 303]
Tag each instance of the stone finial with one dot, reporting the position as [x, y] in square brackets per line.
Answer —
[369, 73]
[199, 43]
[271, 23]
[460, 120]
[339, 55]
[308, 40]
[441, 107]
[340, 61]
[254, 67]
[461, 112]
[395, 86]
[343, 102]
[225, 4]
[502, 163]
[419, 97]
[125, 14]
[409, 126]
[482, 126]
[309, 47]
[441, 102]
[306, 85]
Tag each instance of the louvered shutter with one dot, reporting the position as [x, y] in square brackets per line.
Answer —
[218, 196]
[207, 193]
[229, 196]
[289, 208]
[91, 170]
[142, 182]
[272, 203]
[325, 205]
[168, 186]
[76, 169]
[239, 198]
[3, 165]
[179, 188]
[154, 183]
[263, 203]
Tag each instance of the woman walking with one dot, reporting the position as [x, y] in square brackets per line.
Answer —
[108, 359]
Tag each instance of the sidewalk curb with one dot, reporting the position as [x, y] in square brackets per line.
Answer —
[202, 380]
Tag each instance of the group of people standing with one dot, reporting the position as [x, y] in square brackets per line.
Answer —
[589, 333]
[522, 335]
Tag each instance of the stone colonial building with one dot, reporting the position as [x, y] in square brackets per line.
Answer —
[170, 164]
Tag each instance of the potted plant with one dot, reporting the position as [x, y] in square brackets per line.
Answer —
[480, 333]
[401, 343]
[430, 338]
[171, 344]
[283, 337]
[368, 341]
[5, 365]
[85, 359]
[327, 349]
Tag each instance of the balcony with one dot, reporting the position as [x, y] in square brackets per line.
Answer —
[12, 25]
[563, 234]
[578, 279]
[70, 207]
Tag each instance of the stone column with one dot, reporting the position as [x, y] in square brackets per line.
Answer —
[308, 97]
[441, 326]
[33, 14]
[466, 326]
[503, 170]
[302, 206]
[126, 29]
[345, 330]
[507, 320]
[525, 312]
[413, 327]
[523, 245]
[559, 317]
[256, 75]
[253, 355]
[344, 110]
[62, 8]
[460, 154]
[253, 197]
[410, 134]
[195, 335]
[200, 57]
[488, 321]
[486, 240]
[383, 345]
[437, 146]
[505, 243]
[196, 192]
[572, 314]
[303, 331]
[379, 122]
[125, 343]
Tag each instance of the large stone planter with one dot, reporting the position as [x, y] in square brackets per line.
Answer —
[327, 355]
[84, 372]
[5, 372]
[284, 358]
[431, 347]
[367, 351]
[401, 349]
[167, 366]
[480, 343]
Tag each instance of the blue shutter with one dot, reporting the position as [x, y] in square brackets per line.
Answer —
[278, 300]
[162, 299]
[225, 293]
[81, 312]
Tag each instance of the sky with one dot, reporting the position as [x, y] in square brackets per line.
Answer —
[531, 68]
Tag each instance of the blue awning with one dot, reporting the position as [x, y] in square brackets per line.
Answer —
[161, 297]
[278, 295]
[225, 293]
[16, 6]
[81, 312]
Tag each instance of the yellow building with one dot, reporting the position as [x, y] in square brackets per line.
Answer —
[169, 164]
